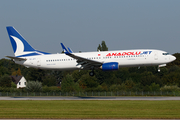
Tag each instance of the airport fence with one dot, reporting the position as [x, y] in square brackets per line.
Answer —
[91, 94]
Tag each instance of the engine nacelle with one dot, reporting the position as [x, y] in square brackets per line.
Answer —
[110, 66]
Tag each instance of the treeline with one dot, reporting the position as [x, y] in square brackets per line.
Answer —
[124, 79]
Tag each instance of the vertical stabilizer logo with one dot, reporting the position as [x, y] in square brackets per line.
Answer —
[19, 47]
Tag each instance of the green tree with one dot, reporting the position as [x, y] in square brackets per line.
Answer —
[68, 84]
[172, 78]
[34, 86]
[174, 68]
[171, 88]
[35, 74]
[129, 84]
[49, 80]
[147, 78]
[164, 71]
[123, 74]
[3, 71]
[51, 89]
[112, 79]
[13, 85]
[87, 81]
[102, 47]
[11, 66]
[18, 72]
[78, 74]
[5, 81]
[103, 76]
[154, 87]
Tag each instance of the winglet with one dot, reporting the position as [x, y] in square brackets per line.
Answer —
[70, 50]
[66, 51]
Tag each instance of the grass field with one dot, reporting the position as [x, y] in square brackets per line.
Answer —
[90, 109]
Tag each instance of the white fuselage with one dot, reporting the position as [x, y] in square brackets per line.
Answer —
[125, 58]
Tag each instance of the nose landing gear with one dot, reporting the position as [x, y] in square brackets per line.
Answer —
[163, 65]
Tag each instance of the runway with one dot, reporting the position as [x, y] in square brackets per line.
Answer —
[89, 98]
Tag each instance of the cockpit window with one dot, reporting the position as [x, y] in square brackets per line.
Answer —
[165, 53]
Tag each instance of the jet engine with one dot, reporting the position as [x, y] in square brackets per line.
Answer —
[110, 66]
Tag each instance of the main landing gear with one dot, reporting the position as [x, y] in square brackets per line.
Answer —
[91, 73]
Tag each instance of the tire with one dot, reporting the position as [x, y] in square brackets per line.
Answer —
[91, 73]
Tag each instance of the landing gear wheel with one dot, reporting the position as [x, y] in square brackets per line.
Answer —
[91, 73]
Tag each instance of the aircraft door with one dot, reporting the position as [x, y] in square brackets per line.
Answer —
[155, 55]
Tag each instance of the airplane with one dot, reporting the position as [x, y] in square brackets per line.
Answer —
[26, 55]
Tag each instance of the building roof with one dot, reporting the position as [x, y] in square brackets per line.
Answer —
[16, 79]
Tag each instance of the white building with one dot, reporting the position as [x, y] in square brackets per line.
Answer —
[20, 81]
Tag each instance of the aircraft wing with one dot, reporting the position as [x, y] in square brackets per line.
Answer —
[84, 62]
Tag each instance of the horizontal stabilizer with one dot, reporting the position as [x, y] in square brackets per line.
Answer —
[16, 58]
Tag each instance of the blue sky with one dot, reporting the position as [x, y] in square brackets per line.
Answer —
[83, 24]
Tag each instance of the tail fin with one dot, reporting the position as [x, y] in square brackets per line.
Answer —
[20, 46]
